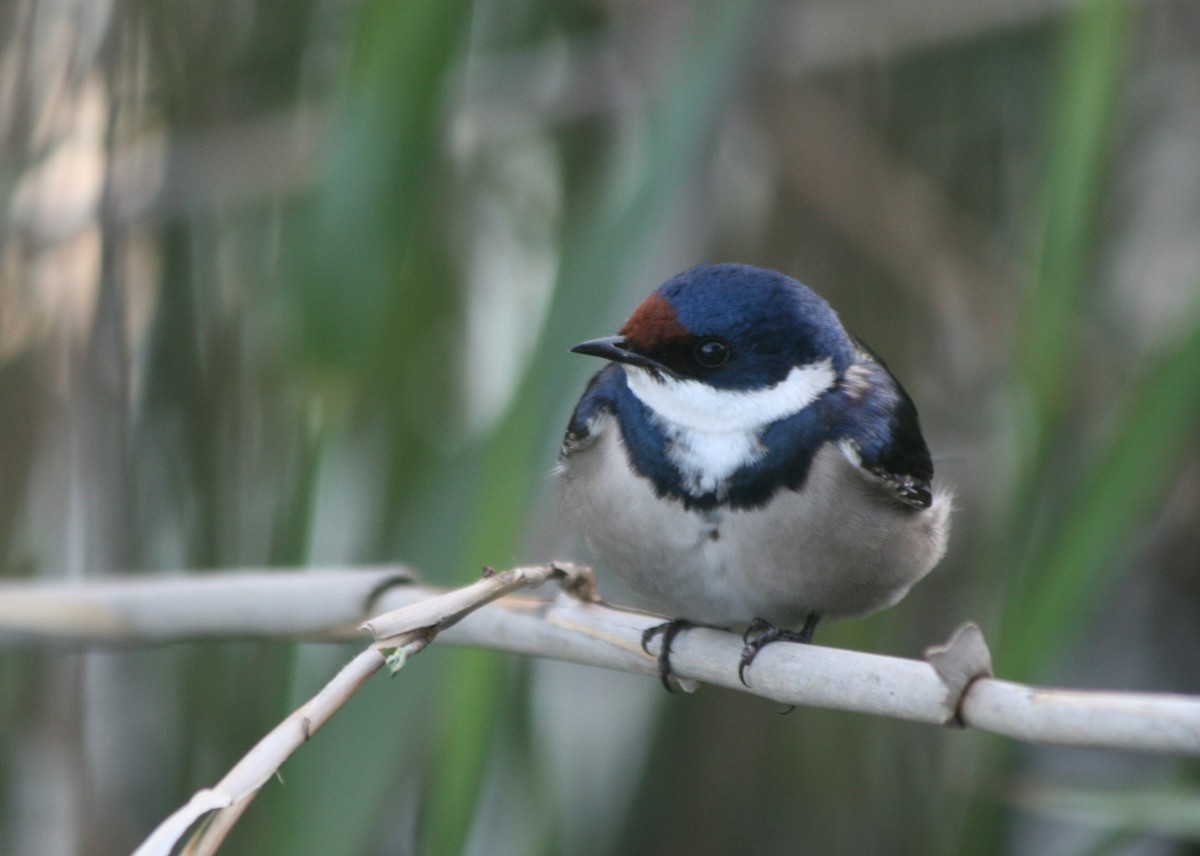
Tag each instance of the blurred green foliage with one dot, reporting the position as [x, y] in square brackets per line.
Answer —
[294, 285]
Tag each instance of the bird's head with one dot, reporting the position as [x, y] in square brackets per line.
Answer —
[729, 344]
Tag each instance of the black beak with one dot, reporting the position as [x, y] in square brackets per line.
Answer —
[615, 348]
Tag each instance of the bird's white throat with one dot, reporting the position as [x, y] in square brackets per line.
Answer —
[714, 432]
[700, 407]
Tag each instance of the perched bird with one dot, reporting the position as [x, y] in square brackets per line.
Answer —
[744, 461]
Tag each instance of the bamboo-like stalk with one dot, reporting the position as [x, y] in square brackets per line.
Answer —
[144, 610]
[332, 604]
[952, 687]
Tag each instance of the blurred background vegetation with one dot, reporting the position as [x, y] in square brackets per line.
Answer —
[292, 284]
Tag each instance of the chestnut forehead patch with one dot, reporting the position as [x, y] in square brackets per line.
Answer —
[653, 325]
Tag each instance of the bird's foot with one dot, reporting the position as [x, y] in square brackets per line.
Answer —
[668, 630]
[762, 633]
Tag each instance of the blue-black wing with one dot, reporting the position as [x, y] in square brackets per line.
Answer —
[879, 423]
[597, 403]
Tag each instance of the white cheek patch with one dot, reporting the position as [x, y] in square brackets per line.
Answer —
[700, 407]
[715, 432]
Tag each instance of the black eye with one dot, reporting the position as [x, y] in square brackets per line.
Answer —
[711, 353]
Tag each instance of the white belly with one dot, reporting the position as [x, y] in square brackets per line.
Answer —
[838, 548]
